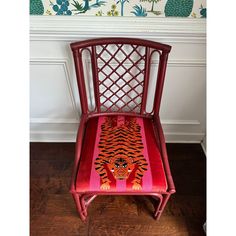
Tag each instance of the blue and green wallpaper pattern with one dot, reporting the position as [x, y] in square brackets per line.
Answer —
[136, 8]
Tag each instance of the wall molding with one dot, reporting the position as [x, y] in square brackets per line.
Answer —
[187, 62]
[169, 30]
[203, 144]
[64, 62]
[52, 136]
[53, 121]
[181, 137]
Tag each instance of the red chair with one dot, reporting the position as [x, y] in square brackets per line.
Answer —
[120, 147]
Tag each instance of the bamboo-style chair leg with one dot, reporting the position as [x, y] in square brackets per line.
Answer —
[84, 205]
[85, 201]
[158, 198]
[77, 199]
[161, 206]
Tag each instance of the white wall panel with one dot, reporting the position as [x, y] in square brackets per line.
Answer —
[184, 93]
[51, 96]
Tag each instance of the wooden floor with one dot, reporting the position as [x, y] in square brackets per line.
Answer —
[53, 210]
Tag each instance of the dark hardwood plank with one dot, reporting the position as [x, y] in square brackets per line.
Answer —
[52, 210]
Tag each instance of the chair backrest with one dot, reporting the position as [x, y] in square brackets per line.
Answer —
[120, 70]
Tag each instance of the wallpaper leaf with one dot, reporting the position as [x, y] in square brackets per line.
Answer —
[60, 7]
[139, 11]
[36, 7]
[178, 8]
[203, 11]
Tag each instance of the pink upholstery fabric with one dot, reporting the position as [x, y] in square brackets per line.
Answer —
[147, 169]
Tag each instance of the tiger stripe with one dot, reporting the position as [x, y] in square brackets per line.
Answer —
[121, 140]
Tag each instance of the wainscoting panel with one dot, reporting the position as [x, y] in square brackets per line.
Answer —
[54, 101]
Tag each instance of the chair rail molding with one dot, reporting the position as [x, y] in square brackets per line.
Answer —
[74, 27]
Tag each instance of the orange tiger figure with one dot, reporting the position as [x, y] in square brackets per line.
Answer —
[120, 149]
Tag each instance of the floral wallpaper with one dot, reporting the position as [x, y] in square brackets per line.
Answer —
[114, 8]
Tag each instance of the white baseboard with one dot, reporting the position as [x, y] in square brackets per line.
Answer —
[49, 137]
[203, 144]
[183, 137]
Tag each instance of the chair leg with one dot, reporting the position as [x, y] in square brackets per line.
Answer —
[84, 205]
[158, 199]
[85, 201]
[161, 206]
[82, 202]
[77, 199]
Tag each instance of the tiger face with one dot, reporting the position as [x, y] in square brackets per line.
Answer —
[121, 167]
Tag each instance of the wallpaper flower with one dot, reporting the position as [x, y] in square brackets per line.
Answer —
[111, 8]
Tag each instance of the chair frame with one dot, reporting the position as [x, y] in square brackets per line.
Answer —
[83, 200]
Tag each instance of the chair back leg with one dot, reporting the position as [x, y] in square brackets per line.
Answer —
[161, 206]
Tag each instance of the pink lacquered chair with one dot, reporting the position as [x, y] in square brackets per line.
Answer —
[120, 146]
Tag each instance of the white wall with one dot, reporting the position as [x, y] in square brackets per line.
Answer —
[54, 101]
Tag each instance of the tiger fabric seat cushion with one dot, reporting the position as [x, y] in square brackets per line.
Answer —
[120, 154]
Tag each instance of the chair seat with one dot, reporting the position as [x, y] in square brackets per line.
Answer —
[120, 154]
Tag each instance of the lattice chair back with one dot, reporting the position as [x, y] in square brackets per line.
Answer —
[113, 75]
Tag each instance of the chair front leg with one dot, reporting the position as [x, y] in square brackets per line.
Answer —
[86, 199]
[84, 205]
[77, 199]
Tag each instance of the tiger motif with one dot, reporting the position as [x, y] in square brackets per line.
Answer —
[120, 149]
